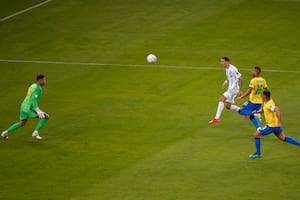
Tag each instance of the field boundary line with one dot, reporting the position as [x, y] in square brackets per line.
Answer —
[134, 65]
[24, 10]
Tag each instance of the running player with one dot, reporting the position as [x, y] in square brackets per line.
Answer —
[273, 125]
[29, 108]
[256, 87]
[234, 80]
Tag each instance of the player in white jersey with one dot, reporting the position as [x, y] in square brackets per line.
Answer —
[234, 80]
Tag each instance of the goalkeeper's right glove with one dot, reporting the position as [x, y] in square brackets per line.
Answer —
[40, 113]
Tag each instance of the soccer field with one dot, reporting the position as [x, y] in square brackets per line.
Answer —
[123, 129]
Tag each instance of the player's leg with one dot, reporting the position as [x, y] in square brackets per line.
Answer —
[257, 137]
[256, 108]
[229, 106]
[39, 126]
[281, 136]
[254, 122]
[248, 111]
[257, 154]
[227, 97]
[220, 108]
[15, 126]
[41, 123]
[230, 100]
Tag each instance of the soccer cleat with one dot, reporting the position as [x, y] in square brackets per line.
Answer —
[214, 121]
[4, 135]
[254, 156]
[36, 135]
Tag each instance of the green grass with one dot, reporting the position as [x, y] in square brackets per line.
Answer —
[142, 133]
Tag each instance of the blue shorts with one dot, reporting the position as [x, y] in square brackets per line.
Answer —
[249, 106]
[268, 130]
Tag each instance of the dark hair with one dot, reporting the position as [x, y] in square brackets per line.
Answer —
[267, 93]
[226, 59]
[257, 68]
[40, 76]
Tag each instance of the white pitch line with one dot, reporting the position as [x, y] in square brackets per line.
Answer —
[134, 65]
[23, 11]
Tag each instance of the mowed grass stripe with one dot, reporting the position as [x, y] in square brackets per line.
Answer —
[136, 65]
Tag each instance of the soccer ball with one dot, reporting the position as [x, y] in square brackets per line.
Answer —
[151, 58]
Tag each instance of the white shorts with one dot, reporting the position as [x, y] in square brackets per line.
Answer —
[230, 95]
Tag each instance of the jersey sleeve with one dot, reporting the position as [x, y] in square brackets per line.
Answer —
[237, 73]
[252, 84]
[272, 108]
[265, 84]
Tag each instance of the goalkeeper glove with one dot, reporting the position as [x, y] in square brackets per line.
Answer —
[40, 113]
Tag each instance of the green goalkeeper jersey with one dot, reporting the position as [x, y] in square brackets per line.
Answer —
[32, 98]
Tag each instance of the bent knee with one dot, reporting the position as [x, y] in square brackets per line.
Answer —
[23, 123]
[281, 138]
[222, 99]
[257, 134]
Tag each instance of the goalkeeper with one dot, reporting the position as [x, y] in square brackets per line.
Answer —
[29, 108]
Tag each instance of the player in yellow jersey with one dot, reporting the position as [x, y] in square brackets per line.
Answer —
[256, 87]
[273, 125]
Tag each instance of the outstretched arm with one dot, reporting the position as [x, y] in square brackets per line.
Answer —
[244, 95]
[241, 83]
[224, 84]
[278, 114]
[258, 111]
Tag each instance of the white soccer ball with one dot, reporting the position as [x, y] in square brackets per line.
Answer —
[151, 58]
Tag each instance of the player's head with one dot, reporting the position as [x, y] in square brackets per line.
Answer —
[224, 62]
[266, 96]
[41, 79]
[256, 71]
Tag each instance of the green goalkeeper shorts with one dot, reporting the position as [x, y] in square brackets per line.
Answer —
[25, 114]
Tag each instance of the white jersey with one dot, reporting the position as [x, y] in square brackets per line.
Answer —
[233, 76]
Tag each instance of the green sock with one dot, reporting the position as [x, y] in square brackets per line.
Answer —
[41, 123]
[13, 127]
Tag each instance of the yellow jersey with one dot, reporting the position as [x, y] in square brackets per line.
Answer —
[258, 85]
[270, 114]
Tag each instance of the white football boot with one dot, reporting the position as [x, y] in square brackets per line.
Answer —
[4, 135]
[36, 135]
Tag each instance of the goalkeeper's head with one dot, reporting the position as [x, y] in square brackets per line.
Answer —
[41, 79]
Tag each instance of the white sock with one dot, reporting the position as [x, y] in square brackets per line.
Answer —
[234, 107]
[219, 109]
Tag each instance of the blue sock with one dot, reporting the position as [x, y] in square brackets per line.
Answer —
[257, 145]
[292, 141]
[254, 122]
